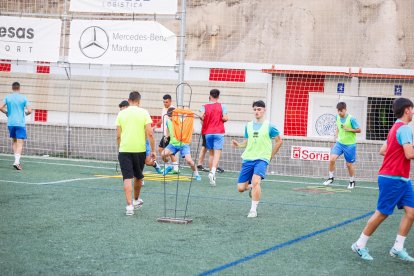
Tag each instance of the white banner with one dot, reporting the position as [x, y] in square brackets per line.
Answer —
[122, 42]
[310, 153]
[32, 39]
[125, 6]
[322, 114]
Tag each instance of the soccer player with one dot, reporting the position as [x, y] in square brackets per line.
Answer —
[148, 160]
[395, 188]
[16, 106]
[346, 129]
[214, 115]
[257, 155]
[133, 128]
[176, 146]
[164, 139]
[202, 155]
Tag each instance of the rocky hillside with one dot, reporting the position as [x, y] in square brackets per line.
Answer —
[366, 33]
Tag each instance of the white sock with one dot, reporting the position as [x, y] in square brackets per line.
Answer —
[213, 170]
[254, 205]
[17, 158]
[399, 243]
[362, 241]
[196, 172]
[331, 174]
[351, 179]
[175, 166]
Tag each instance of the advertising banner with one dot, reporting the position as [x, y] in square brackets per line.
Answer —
[125, 6]
[32, 39]
[122, 42]
[310, 153]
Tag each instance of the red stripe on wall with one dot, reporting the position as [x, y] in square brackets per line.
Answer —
[155, 120]
[297, 99]
[43, 69]
[40, 115]
[5, 67]
[220, 74]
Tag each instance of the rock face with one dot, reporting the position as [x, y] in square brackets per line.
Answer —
[365, 33]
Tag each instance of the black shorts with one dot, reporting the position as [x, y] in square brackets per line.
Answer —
[163, 144]
[204, 140]
[132, 164]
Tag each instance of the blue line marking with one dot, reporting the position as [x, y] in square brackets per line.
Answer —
[281, 245]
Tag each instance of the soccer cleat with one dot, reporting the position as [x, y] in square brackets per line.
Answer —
[197, 177]
[402, 255]
[167, 170]
[212, 179]
[175, 171]
[351, 185]
[137, 203]
[129, 210]
[363, 253]
[157, 168]
[252, 214]
[201, 168]
[18, 167]
[328, 181]
[220, 170]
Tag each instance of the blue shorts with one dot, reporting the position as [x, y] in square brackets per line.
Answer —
[17, 132]
[147, 149]
[394, 192]
[349, 151]
[214, 141]
[249, 168]
[184, 149]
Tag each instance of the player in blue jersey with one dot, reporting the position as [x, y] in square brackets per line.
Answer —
[16, 106]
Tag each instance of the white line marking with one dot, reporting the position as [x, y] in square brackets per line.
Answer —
[52, 182]
[63, 164]
[218, 177]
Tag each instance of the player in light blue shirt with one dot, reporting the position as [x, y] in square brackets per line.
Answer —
[16, 106]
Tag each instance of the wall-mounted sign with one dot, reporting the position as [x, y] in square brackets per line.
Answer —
[32, 39]
[122, 42]
[125, 6]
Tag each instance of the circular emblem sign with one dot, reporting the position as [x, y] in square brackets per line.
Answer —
[326, 125]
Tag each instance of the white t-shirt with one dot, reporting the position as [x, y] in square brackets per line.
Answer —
[164, 120]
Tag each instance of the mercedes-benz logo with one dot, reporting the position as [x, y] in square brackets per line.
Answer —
[93, 42]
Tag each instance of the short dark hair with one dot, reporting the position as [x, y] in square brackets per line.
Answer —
[399, 105]
[341, 106]
[259, 104]
[134, 96]
[167, 97]
[170, 111]
[123, 104]
[15, 85]
[215, 93]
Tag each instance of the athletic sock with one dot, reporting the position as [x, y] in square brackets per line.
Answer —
[175, 166]
[399, 243]
[362, 241]
[156, 165]
[17, 158]
[213, 170]
[254, 205]
[331, 174]
[351, 179]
